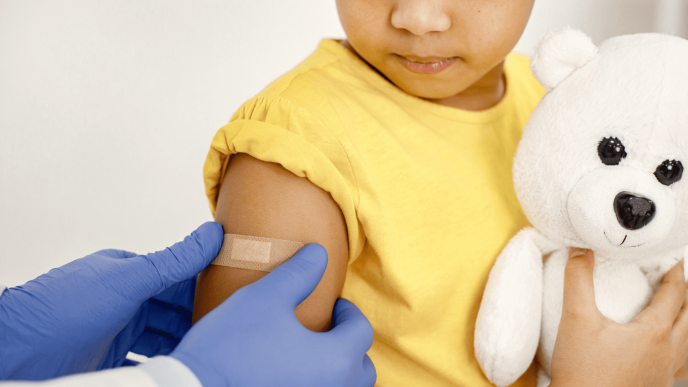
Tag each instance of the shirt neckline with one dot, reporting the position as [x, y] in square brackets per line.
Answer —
[491, 114]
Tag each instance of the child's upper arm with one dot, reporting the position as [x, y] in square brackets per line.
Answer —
[263, 199]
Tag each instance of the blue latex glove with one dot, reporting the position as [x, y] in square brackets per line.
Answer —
[253, 339]
[87, 314]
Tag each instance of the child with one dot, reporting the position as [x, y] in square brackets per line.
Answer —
[393, 150]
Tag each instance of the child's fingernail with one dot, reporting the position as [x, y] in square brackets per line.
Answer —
[577, 252]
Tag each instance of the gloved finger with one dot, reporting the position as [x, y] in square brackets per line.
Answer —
[168, 319]
[294, 280]
[369, 376]
[184, 259]
[114, 253]
[181, 294]
[152, 343]
[351, 327]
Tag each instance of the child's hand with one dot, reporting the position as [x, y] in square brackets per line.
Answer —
[592, 350]
[682, 373]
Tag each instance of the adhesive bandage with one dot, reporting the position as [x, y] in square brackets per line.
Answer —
[255, 253]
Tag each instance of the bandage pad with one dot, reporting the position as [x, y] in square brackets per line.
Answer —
[255, 253]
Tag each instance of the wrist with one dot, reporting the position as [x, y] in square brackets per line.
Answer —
[168, 371]
[205, 373]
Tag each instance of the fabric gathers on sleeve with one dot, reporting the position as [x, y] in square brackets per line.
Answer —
[276, 130]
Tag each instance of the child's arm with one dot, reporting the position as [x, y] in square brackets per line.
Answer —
[592, 350]
[263, 199]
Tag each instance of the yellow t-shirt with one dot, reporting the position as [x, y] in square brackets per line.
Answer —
[425, 190]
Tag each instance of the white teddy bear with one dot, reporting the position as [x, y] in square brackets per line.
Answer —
[599, 166]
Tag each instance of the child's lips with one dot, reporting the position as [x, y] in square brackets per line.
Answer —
[426, 65]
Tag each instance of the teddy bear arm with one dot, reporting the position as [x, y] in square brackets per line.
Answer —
[508, 325]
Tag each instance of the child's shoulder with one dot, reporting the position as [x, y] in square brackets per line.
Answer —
[328, 71]
[520, 78]
[326, 86]
[333, 83]
[295, 122]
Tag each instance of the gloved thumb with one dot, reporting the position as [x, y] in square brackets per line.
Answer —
[184, 259]
[294, 280]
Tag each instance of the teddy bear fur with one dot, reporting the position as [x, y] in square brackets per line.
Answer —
[633, 88]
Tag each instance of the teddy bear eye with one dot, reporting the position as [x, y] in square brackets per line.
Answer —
[669, 172]
[611, 151]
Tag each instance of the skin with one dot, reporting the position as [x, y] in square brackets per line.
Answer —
[480, 33]
[593, 350]
[263, 199]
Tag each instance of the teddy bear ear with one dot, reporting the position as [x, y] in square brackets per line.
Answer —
[559, 54]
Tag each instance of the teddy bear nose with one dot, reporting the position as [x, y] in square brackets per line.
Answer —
[633, 212]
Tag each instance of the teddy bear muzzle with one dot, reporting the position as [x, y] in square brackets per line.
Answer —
[614, 208]
[633, 212]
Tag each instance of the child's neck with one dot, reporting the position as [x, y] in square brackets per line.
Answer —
[483, 94]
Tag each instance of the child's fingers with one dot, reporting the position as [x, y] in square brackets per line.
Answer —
[579, 291]
[681, 368]
[680, 330]
[668, 300]
[681, 357]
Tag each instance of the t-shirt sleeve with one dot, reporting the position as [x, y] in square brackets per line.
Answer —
[278, 130]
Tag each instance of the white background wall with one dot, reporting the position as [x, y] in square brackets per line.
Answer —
[107, 108]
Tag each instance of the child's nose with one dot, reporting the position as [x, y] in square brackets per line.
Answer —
[420, 16]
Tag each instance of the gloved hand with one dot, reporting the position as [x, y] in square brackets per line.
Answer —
[87, 314]
[253, 339]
